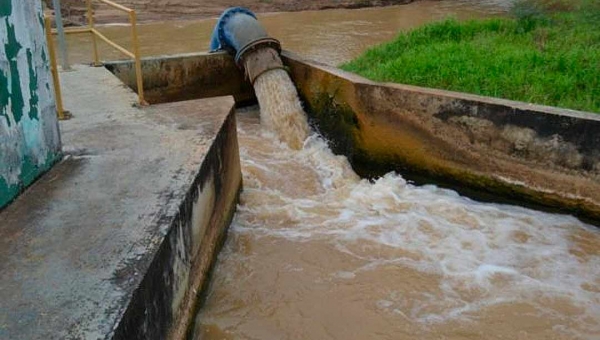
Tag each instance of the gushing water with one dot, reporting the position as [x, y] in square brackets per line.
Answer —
[280, 108]
[315, 252]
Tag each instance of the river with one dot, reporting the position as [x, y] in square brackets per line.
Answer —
[330, 36]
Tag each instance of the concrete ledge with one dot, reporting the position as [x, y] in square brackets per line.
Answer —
[486, 147]
[116, 241]
[185, 77]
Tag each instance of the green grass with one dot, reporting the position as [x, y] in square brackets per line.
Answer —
[543, 57]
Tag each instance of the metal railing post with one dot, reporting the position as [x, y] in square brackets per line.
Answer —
[90, 17]
[54, 70]
[62, 41]
[138, 60]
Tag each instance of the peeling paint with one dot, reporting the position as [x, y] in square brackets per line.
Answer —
[5, 9]
[33, 82]
[29, 137]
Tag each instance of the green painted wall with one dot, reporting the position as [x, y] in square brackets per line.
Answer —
[29, 136]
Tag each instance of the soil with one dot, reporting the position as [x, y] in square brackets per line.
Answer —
[157, 10]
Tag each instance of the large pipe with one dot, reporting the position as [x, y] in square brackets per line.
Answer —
[239, 33]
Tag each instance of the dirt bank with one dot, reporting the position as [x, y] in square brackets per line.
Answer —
[153, 10]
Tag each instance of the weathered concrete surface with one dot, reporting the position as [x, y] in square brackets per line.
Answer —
[186, 76]
[116, 240]
[540, 155]
[29, 138]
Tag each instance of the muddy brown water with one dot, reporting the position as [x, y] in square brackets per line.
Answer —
[315, 252]
[331, 36]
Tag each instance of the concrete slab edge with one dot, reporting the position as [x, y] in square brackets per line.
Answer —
[164, 303]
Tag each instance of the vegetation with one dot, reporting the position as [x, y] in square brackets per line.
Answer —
[547, 53]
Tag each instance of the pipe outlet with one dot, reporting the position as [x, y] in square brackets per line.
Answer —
[239, 32]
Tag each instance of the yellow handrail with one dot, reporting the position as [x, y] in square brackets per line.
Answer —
[135, 54]
[73, 30]
[90, 18]
[117, 6]
[113, 44]
[54, 70]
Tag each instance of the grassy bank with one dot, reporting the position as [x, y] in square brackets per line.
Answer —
[546, 53]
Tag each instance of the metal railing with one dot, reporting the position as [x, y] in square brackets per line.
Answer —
[135, 54]
[54, 70]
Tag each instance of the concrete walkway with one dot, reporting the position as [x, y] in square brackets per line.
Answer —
[78, 243]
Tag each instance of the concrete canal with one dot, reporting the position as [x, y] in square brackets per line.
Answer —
[316, 252]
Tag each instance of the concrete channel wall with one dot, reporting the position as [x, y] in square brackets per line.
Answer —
[164, 304]
[186, 76]
[29, 137]
[484, 147]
